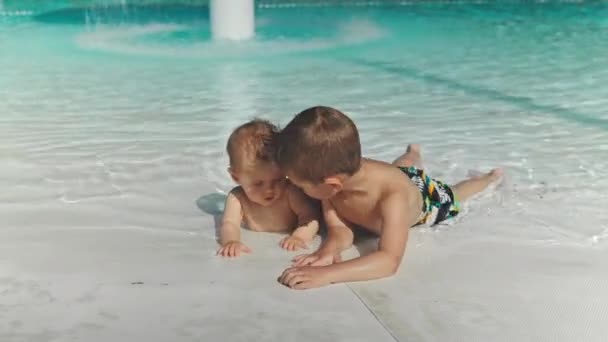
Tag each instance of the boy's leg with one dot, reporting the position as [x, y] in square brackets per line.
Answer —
[411, 157]
[472, 186]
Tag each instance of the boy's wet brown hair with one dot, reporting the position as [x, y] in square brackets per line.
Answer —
[252, 142]
[319, 142]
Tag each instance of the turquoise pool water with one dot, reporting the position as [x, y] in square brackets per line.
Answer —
[113, 121]
[98, 98]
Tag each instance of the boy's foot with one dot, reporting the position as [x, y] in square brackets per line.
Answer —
[495, 174]
[410, 158]
[413, 148]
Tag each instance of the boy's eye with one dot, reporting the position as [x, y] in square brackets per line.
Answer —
[258, 183]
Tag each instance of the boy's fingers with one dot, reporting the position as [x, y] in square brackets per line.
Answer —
[303, 285]
[298, 257]
[245, 249]
[289, 276]
[309, 260]
[283, 275]
[302, 259]
[297, 279]
[319, 262]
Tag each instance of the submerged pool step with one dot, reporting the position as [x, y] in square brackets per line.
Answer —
[524, 102]
[15, 13]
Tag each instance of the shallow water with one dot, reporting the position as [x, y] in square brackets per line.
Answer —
[98, 100]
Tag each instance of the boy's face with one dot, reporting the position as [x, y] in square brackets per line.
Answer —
[321, 191]
[263, 184]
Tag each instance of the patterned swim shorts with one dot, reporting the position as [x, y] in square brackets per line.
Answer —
[438, 201]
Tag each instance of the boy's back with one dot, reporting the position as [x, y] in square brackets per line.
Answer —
[378, 186]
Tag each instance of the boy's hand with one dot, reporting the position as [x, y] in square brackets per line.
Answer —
[300, 278]
[233, 249]
[317, 258]
[293, 243]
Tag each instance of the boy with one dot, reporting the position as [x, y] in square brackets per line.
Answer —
[264, 200]
[320, 152]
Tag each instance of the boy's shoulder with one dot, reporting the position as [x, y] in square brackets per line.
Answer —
[389, 179]
[382, 172]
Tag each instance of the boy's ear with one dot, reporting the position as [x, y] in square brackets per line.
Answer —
[233, 175]
[334, 182]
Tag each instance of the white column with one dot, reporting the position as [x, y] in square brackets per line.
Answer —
[232, 19]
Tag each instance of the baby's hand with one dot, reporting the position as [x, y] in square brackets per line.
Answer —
[233, 249]
[293, 243]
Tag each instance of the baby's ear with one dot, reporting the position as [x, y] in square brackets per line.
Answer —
[233, 175]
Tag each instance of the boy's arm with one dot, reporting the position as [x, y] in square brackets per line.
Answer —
[230, 230]
[379, 264]
[307, 212]
[339, 238]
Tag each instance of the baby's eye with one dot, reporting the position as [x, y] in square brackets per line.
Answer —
[258, 183]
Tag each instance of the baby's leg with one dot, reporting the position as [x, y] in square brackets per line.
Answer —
[472, 186]
[411, 157]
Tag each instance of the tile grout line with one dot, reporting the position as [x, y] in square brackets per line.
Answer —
[373, 313]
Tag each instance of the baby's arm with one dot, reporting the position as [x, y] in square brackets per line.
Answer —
[230, 231]
[308, 219]
[339, 238]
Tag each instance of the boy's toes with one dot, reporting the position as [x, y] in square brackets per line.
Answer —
[496, 173]
[413, 148]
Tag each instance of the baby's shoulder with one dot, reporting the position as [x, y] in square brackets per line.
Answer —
[238, 194]
[293, 193]
[237, 191]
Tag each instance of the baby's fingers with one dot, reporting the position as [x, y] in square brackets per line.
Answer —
[294, 245]
[234, 251]
[301, 245]
[225, 251]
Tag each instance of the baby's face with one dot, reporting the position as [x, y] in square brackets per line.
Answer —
[263, 184]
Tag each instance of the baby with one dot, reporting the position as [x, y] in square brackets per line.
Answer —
[265, 200]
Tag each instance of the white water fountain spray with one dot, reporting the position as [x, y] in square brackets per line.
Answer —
[232, 19]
